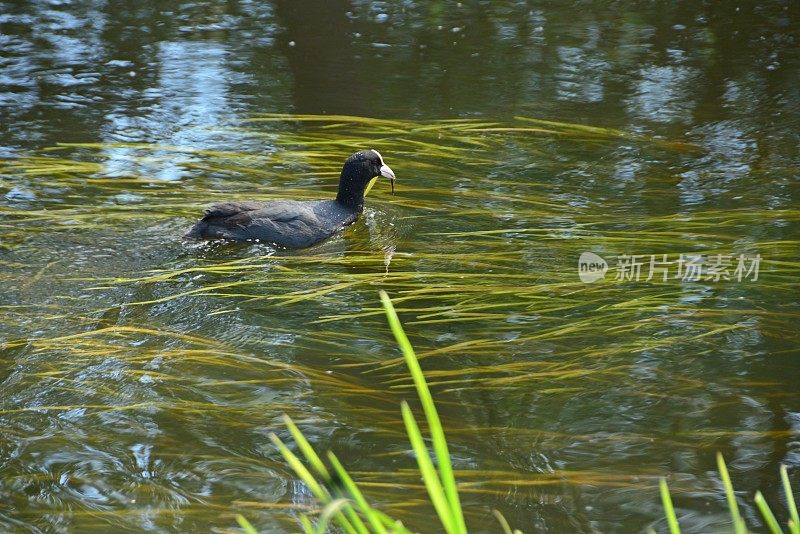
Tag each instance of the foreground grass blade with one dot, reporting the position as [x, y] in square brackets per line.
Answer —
[306, 448]
[440, 483]
[332, 509]
[738, 522]
[794, 520]
[440, 448]
[364, 507]
[245, 524]
[669, 509]
[317, 490]
[766, 513]
[503, 522]
[316, 463]
[429, 474]
[308, 527]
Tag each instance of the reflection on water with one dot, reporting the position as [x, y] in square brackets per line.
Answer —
[142, 374]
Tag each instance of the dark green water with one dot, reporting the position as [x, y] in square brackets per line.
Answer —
[140, 375]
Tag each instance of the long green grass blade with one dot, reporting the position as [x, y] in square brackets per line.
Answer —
[353, 518]
[331, 509]
[503, 523]
[738, 523]
[356, 494]
[766, 513]
[429, 475]
[245, 524]
[669, 509]
[308, 526]
[369, 186]
[431, 415]
[306, 448]
[394, 526]
[305, 475]
[319, 467]
[794, 520]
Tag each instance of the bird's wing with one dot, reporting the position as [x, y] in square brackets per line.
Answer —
[273, 216]
[286, 223]
[286, 212]
[226, 209]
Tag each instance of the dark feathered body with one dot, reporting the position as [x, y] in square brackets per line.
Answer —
[285, 223]
[294, 223]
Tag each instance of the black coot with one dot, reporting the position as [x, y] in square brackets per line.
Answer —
[294, 223]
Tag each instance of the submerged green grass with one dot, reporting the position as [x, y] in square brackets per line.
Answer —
[478, 248]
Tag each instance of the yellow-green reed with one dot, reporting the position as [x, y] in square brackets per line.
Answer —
[352, 511]
[737, 521]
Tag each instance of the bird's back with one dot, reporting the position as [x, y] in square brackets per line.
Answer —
[285, 223]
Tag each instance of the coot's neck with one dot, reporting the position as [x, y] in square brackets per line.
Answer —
[351, 196]
[351, 188]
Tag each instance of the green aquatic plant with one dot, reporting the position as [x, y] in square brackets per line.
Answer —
[342, 500]
[344, 503]
[738, 524]
[354, 513]
[441, 482]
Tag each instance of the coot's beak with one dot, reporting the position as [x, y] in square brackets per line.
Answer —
[386, 172]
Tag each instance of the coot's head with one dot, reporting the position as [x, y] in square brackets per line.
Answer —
[357, 175]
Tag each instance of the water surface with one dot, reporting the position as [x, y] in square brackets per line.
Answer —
[141, 374]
